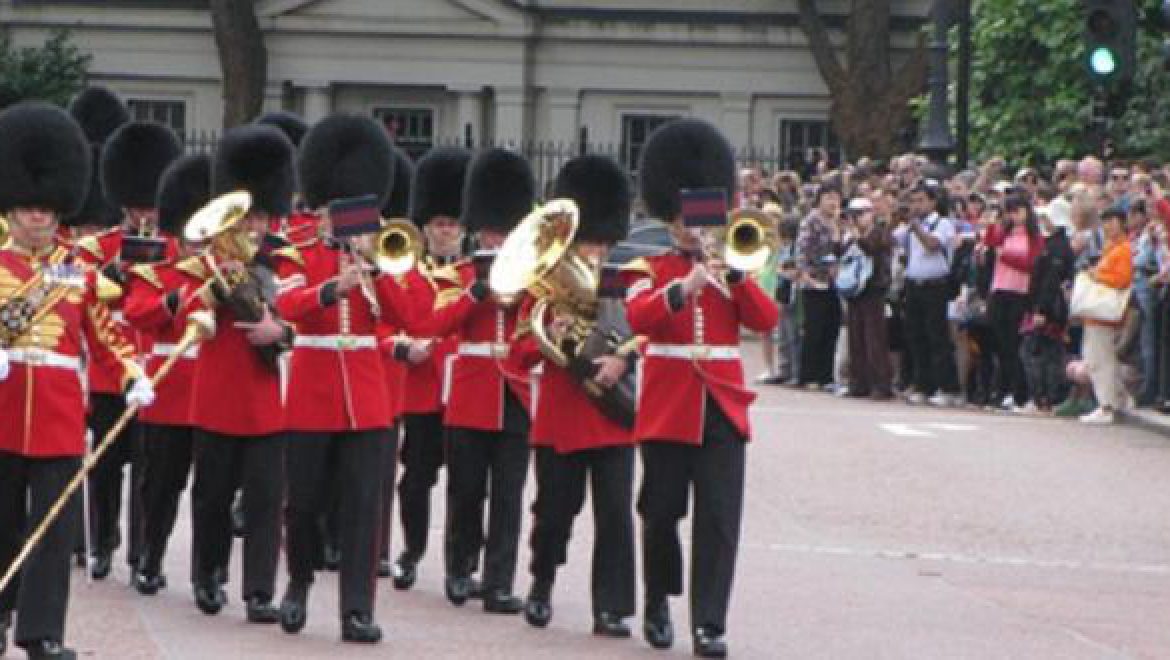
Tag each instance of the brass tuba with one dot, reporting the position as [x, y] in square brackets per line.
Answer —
[537, 257]
[243, 290]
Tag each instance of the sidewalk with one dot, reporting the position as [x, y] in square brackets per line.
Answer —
[1147, 419]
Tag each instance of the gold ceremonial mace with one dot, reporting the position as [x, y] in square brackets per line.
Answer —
[199, 327]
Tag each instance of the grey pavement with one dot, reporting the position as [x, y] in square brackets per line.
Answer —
[870, 531]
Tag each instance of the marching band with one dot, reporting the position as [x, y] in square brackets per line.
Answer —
[274, 317]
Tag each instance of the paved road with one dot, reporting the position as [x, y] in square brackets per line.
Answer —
[871, 531]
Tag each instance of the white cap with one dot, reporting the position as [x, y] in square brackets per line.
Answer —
[1002, 187]
[860, 204]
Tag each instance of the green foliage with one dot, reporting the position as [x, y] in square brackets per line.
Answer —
[54, 71]
[1031, 97]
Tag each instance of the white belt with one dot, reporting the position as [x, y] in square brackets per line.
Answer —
[36, 357]
[335, 342]
[483, 349]
[693, 351]
[167, 350]
[118, 316]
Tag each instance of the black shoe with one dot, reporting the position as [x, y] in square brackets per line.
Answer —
[709, 643]
[501, 602]
[261, 610]
[538, 609]
[477, 590]
[99, 569]
[405, 572]
[147, 583]
[79, 558]
[458, 589]
[49, 649]
[656, 626]
[607, 624]
[294, 609]
[360, 629]
[210, 598]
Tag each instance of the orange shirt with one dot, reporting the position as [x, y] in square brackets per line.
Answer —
[1114, 270]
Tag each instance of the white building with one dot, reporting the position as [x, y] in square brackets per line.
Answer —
[568, 71]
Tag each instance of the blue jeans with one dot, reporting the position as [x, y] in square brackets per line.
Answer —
[1149, 301]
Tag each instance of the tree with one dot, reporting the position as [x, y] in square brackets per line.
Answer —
[242, 58]
[54, 71]
[869, 101]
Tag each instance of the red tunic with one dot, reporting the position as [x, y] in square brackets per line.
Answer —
[99, 250]
[483, 361]
[146, 311]
[565, 418]
[41, 401]
[235, 393]
[337, 381]
[425, 381]
[681, 365]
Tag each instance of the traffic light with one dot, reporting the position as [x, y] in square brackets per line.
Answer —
[1110, 40]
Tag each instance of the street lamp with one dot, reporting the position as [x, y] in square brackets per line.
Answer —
[936, 141]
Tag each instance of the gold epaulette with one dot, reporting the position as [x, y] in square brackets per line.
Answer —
[194, 267]
[93, 246]
[148, 273]
[108, 290]
[292, 253]
[638, 265]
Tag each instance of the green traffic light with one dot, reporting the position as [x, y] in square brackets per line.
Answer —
[1102, 61]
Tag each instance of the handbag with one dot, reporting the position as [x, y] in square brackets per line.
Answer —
[1097, 302]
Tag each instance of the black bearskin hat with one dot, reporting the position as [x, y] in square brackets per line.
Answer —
[682, 154]
[292, 125]
[438, 184]
[345, 156]
[260, 159]
[133, 159]
[96, 210]
[398, 201]
[499, 190]
[184, 189]
[99, 111]
[44, 159]
[601, 189]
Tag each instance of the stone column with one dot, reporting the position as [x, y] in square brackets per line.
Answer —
[564, 115]
[510, 103]
[273, 96]
[737, 119]
[468, 113]
[318, 102]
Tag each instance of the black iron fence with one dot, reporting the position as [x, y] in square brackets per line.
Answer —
[547, 156]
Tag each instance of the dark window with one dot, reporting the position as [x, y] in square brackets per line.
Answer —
[171, 113]
[799, 136]
[411, 129]
[635, 130]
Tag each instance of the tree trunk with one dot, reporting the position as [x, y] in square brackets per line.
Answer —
[869, 103]
[242, 58]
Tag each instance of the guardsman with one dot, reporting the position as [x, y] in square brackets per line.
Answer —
[236, 405]
[435, 207]
[132, 161]
[397, 206]
[155, 306]
[487, 410]
[592, 447]
[44, 172]
[692, 420]
[338, 415]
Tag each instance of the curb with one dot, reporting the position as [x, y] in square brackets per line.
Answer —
[1146, 420]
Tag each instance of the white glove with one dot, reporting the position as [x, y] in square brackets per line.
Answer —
[5, 367]
[141, 393]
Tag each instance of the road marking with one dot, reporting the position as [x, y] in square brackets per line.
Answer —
[959, 428]
[905, 430]
[956, 558]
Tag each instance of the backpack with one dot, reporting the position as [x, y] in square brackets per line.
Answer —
[853, 272]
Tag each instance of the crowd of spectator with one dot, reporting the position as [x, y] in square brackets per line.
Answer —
[899, 281]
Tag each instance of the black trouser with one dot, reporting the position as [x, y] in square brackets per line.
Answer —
[257, 464]
[166, 465]
[105, 481]
[422, 456]
[1007, 310]
[822, 325]
[356, 460]
[716, 470]
[389, 476]
[560, 495]
[869, 346]
[476, 459]
[1044, 364]
[40, 592]
[928, 337]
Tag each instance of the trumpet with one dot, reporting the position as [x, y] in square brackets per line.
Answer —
[397, 247]
[750, 241]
